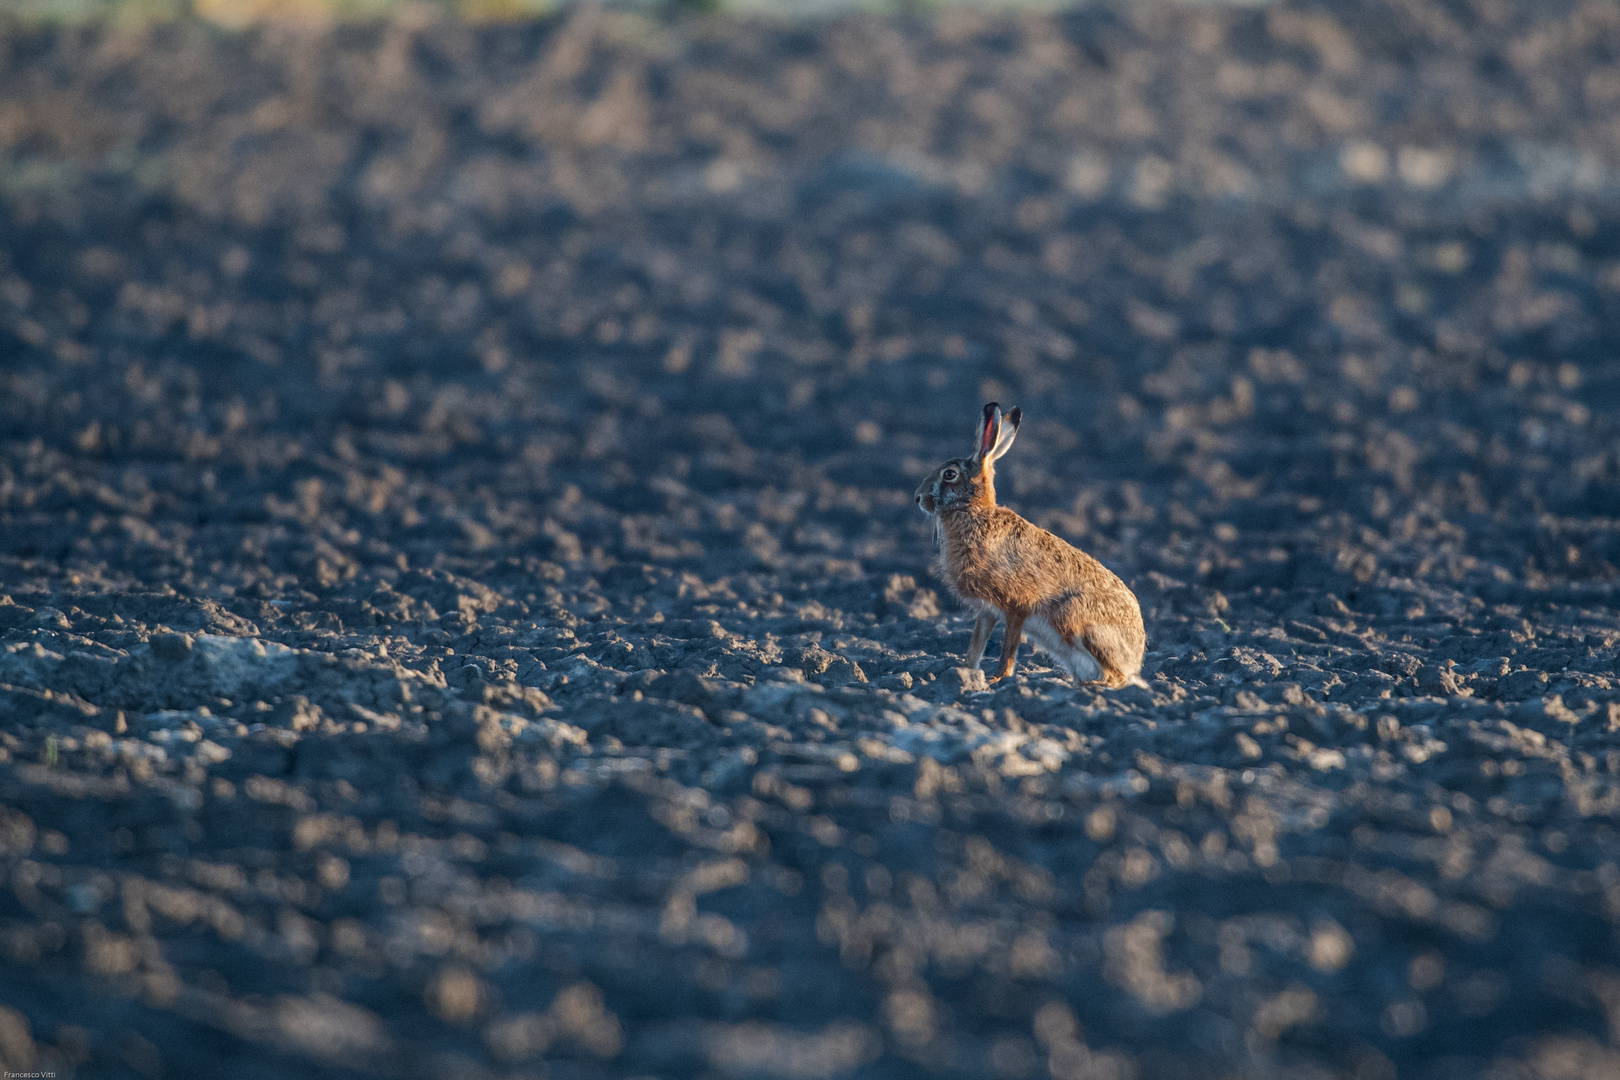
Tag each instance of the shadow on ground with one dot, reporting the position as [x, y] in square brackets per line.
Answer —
[463, 613]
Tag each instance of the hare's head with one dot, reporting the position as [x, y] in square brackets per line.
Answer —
[962, 482]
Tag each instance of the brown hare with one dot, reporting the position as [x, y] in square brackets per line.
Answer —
[1071, 605]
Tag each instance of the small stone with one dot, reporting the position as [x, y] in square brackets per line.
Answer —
[48, 618]
[967, 680]
[1330, 947]
[683, 686]
[297, 714]
[842, 670]
[1440, 680]
[1323, 759]
[210, 753]
[1247, 701]
[172, 647]
[1521, 685]
[813, 660]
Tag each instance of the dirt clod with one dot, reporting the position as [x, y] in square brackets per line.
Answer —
[462, 610]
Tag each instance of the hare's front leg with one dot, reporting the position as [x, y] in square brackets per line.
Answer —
[982, 626]
[1009, 644]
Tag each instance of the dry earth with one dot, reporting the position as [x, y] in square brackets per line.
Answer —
[463, 614]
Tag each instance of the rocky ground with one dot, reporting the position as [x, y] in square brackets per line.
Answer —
[463, 613]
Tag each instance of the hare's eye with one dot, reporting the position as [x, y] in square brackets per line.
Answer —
[950, 474]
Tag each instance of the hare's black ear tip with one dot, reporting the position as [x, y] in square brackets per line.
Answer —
[990, 409]
[1016, 416]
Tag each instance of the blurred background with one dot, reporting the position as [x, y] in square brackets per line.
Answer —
[462, 611]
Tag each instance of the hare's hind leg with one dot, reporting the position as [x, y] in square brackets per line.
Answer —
[1080, 664]
[1068, 654]
[1113, 646]
[982, 626]
[1062, 633]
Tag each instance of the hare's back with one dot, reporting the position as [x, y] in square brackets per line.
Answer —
[1051, 555]
[1030, 562]
[1079, 586]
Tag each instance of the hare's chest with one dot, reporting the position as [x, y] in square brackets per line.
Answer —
[983, 574]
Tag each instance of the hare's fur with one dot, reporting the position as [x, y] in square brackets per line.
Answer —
[1071, 606]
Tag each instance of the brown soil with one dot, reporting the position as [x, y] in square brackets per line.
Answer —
[463, 613]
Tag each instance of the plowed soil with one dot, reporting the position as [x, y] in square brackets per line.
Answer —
[464, 615]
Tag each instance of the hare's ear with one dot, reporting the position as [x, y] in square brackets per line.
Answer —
[1007, 433]
[989, 432]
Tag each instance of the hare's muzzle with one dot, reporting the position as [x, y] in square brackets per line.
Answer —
[925, 500]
